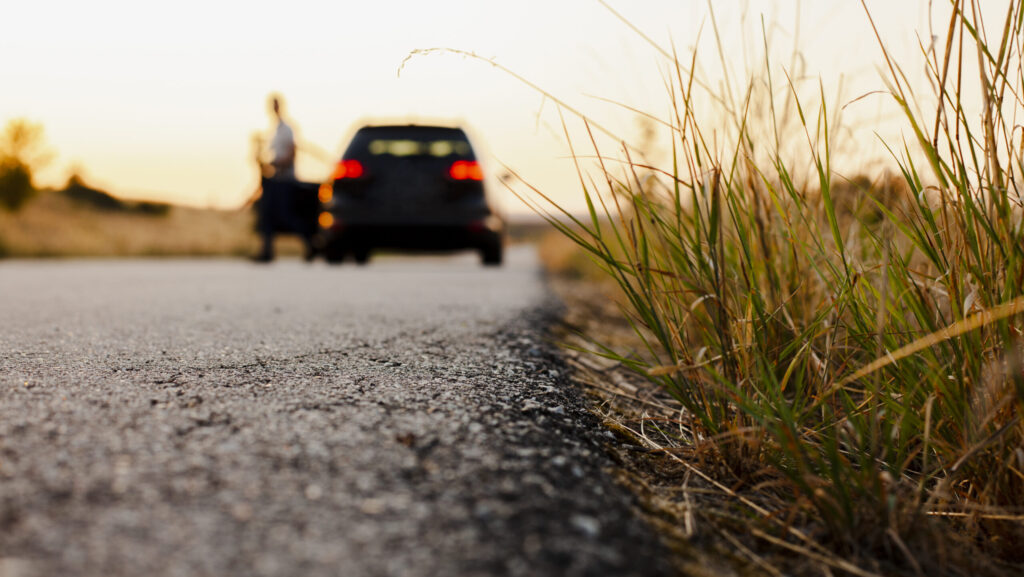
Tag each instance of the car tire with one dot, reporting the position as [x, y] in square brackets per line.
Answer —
[334, 254]
[361, 255]
[492, 253]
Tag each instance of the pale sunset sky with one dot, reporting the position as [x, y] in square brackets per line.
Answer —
[160, 100]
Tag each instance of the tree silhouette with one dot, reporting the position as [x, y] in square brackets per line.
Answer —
[21, 152]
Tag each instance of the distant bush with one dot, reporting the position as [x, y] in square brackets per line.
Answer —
[152, 208]
[78, 191]
[15, 184]
[81, 193]
[21, 152]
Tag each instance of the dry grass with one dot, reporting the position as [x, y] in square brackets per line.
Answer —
[54, 226]
[712, 518]
[843, 358]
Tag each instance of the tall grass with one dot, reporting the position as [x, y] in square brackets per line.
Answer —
[855, 347]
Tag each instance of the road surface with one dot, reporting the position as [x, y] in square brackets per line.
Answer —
[221, 418]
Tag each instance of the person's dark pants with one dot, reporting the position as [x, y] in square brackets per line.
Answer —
[277, 214]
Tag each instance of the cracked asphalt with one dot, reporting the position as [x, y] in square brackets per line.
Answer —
[219, 418]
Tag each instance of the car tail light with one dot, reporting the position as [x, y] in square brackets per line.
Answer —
[466, 170]
[348, 169]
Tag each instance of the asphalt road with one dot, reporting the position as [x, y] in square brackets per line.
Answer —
[222, 418]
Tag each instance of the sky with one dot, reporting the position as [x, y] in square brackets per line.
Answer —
[160, 101]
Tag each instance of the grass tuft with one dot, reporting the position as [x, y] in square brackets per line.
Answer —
[855, 345]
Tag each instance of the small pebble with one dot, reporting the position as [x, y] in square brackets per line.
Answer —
[587, 525]
[314, 492]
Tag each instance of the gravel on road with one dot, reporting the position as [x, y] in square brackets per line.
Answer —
[221, 418]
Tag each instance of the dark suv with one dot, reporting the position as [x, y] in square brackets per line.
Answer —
[410, 187]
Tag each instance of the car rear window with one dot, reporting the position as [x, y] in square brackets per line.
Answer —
[408, 147]
[406, 141]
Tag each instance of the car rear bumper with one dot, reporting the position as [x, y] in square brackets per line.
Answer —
[417, 237]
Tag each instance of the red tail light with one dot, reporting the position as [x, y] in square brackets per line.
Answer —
[348, 169]
[466, 170]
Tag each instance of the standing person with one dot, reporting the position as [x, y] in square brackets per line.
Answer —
[276, 211]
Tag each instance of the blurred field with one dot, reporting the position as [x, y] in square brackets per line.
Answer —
[53, 225]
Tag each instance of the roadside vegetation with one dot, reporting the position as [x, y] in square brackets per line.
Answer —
[81, 220]
[21, 153]
[55, 225]
[846, 354]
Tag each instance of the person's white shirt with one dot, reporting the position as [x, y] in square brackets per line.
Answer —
[282, 149]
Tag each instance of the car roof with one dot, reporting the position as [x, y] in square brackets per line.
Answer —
[413, 128]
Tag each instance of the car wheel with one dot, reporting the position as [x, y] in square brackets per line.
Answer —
[491, 255]
[361, 255]
[334, 254]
